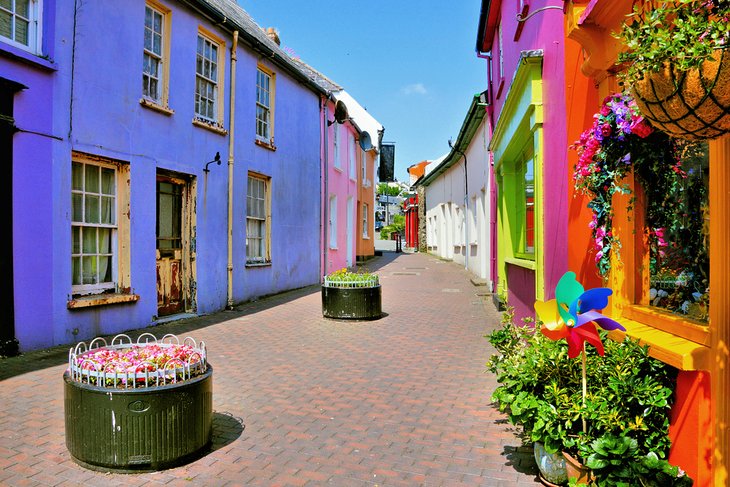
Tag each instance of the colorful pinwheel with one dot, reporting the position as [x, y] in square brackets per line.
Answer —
[573, 314]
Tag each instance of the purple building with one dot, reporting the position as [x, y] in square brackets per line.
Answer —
[162, 160]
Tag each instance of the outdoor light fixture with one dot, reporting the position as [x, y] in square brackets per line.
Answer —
[216, 159]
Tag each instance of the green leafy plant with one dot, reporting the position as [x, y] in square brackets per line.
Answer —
[683, 32]
[627, 407]
[345, 278]
[398, 225]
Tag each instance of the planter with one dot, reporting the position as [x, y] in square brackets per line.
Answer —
[361, 303]
[691, 105]
[551, 466]
[576, 470]
[137, 421]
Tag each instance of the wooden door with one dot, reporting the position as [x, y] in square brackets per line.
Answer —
[170, 296]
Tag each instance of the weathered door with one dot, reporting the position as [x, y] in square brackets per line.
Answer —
[170, 296]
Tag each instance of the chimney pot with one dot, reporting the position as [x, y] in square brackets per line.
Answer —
[273, 34]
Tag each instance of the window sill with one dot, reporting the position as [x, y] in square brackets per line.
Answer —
[266, 145]
[527, 264]
[258, 264]
[165, 110]
[366, 237]
[337, 168]
[212, 126]
[101, 300]
[669, 348]
[8, 50]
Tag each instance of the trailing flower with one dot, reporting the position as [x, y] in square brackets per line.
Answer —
[621, 141]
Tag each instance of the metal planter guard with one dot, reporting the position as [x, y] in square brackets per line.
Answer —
[137, 420]
[352, 299]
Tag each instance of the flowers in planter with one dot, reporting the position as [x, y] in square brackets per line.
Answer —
[346, 278]
[621, 141]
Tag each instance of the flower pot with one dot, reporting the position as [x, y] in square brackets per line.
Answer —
[551, 466]
[691, 105]
[576, 470]
[356, 303]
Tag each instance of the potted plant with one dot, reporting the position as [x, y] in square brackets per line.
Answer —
[351, 295]
[628, 401]
[678, 67]
[143, 406]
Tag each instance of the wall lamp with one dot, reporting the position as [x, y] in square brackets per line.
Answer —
[216, 159]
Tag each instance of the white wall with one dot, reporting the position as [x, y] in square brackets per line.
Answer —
[447, 224]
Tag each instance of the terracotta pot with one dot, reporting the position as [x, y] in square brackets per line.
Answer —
[691, 105]
[577, 470]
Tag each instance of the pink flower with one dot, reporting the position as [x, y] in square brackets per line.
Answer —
[641, 128]
[599, 255]
[606, 129]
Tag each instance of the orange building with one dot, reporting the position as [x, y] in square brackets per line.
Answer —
[698, 349]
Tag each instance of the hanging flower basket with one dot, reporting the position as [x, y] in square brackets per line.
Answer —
[136, 407]
[692, 104]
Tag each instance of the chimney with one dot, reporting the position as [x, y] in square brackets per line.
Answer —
[273, 34]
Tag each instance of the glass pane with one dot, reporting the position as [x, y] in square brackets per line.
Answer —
[147, 18]
[89, 240]
[200, 45]
[76, 270]
[5, 24]
[77, 202]
[153, 89]
[21, 7]
[77, 176]
[21, 31]
[76, 239]
[107, 181]
[679, 250]
[91, 209]
[6, 4]
[529, 207]
[158, 22]
[89, 270]
[157, 45]
[92, 179]
[105, 269]
[199, 66]
[164, 216]
[105, 240]
[148, 39]
[107, 210]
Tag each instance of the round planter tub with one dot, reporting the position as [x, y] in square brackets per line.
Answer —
[138, 430]
[356, 303]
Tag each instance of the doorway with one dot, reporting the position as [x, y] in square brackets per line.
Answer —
[175, 273]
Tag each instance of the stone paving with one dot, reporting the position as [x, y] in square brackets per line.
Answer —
[300, 400]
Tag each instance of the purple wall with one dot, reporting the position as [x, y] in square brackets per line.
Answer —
[99, 107]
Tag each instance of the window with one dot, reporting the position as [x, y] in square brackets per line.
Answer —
[333, 221]
[208, 74]
[365, 212]
[364, 168]
[528, 207]
[335, 144]
[351, 155]
[156, 53]
[95, 226]
[258, 220]
[500, 47]
[20, 23]
[265, 83]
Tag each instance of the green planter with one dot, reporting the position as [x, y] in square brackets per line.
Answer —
[138, 407]
[354, 303]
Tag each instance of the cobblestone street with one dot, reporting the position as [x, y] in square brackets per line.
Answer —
[302, 400]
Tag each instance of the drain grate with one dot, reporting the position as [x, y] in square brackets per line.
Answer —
[405, 273]
[450, 290]
[416, 268]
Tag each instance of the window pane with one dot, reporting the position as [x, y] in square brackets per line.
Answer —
[158, 22]
[91, 209]
[107, 210]
[148, 39]
[92, 179]
[77, 202]
[21, 31]
[89, 240]
[6, 20]
[148, 17]
[157, 44]
[76, 270]
[105, 269]
[21, 7]
[529, 183]
[76, 239]
[89, 270]
[6, 4]
[107, 181]
[679, 252]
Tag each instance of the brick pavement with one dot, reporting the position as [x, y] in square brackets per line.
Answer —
[305, 401]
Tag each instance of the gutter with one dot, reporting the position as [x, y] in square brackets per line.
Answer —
[231, 139]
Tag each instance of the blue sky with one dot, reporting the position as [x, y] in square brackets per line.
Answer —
[410, 63]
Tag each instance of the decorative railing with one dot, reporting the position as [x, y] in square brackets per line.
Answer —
[149, 362]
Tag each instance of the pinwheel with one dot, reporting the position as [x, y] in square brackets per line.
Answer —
[573, 315]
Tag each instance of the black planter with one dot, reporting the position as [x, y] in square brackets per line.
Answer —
[359, 303]
[138, 430]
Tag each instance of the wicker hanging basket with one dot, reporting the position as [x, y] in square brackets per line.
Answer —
[692, 105]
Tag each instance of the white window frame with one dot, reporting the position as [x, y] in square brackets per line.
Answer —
[364, 168]
[35, 28]
[335, 145]
[95, 196]
[211, 76]
[333, 221]
[365, 229]
[258, 213]
[501, 50]
[351, 155]
[265, 105]
[161, 97]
